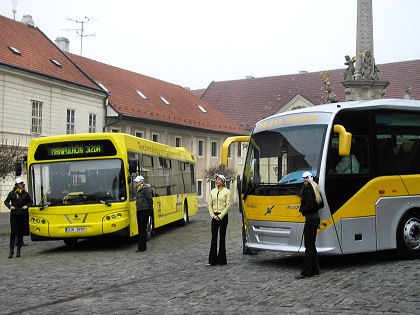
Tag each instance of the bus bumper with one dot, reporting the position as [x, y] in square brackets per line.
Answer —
[65, 225]
[287, 237]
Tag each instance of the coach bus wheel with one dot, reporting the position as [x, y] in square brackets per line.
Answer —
[150, 228]
[71, 242]
[408, 235]
[185, 218]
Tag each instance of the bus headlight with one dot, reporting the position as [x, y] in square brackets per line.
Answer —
[119, 215]
[113, 216]
[38, 220]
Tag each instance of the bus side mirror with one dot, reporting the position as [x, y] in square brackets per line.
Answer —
[226, 144]
[18, 168]
[344, 140]
[132, 166]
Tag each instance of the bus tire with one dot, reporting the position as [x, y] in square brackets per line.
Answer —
[71, 242]
[185, 219]
[408, 235]
[150, 228]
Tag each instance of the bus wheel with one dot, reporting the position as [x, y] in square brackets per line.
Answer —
[71, 242]
[185, 219]
[408, 235]
[150, 228]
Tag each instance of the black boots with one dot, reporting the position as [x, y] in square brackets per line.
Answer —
[12, 245]
[12, 249]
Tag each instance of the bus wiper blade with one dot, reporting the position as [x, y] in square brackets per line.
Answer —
[293, 191]
[105, 202]
[251, 190]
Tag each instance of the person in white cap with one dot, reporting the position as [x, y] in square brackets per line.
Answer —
[311, 202]
[18, 201]
[144, 204]
[219, 205]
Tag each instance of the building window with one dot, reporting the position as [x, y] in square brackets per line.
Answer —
[155, 137]
[92, 123]
[177, 141]
[139, 134]
[200, 147]
[212, 184]
[239, 149]
[142, 95]
[199, 188]
[213, 148]
[165, 100]
[70, 121]
[36, 127]
[115, 130]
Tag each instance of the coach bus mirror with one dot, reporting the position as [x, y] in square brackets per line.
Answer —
[226, 144]
[18, 168]
[132, 166]
[344, 141]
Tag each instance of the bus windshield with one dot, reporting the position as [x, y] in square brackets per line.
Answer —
[278, 158]
[77, 182]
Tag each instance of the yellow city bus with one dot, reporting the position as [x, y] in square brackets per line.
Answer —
[365, 155]
[82, 185]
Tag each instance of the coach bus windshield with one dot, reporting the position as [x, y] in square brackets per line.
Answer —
[77, 182]
[277, 158]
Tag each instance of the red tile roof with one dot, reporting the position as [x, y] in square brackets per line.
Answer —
[247, 101]
[36, 52]
[183, 109]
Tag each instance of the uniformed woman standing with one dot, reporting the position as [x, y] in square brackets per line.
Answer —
[311, 202]
[18, 201]
[219, 205]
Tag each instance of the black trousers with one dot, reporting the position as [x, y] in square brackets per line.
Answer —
[310, 262]
[142, 218]
[216, 226]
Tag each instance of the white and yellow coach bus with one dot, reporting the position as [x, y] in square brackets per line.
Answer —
[82, 185]
[365, 155]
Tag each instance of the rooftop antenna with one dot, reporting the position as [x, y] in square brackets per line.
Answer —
[80, 31]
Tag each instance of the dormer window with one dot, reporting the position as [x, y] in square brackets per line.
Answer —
[202, 108]
[15, 51]
[55, 62]
[142, 95]
[165, 101]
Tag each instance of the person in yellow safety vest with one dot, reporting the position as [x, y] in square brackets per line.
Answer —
[219, 205]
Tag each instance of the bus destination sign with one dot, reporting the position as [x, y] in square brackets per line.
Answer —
[74, 149]
[84, 150]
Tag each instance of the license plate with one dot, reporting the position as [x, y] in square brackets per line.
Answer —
[75, 229]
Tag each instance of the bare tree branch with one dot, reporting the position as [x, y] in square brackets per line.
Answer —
[9, 155]
[229, 173]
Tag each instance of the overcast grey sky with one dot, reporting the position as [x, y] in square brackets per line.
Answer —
[194, 42]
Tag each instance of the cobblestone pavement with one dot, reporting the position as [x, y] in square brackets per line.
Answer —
[109, 277]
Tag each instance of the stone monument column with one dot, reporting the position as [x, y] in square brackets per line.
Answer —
[364, 84]
[364, 39]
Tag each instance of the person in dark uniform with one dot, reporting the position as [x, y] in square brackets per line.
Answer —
[18, 201]
[311, 202]
[144, 206]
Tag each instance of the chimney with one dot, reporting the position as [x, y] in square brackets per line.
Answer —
[27, 20]
[62, 43]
